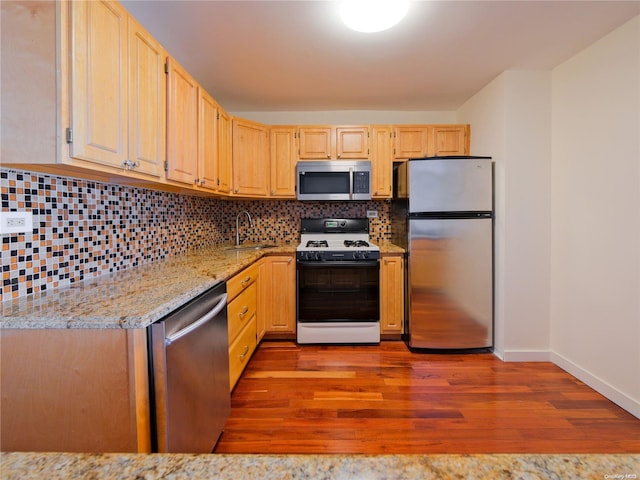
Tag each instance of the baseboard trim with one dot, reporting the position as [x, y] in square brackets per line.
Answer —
[526, 356]
[616, 396]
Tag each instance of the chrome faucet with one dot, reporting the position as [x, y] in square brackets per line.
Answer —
[238, 224]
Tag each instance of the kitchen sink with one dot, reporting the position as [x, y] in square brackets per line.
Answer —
[253, 246]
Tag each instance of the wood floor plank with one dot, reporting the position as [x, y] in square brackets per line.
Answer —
[385, 399]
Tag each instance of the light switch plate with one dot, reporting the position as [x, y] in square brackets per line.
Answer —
[372, 213]
[16, 222]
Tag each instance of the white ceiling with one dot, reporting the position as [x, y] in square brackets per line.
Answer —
[296, 55]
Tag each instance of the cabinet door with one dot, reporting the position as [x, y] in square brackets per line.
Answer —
[352, 142]
[99, 82]
[279, 283]
[208, 163]
[147, 102]
[392, 302]
[250, 158]
[283, 162]
[450, 140]
[411, 141]
[224, 152]
[54, 400]
[315, 143]
[182, 124]
[381, 161]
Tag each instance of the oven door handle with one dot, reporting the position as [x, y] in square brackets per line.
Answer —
[339, 263]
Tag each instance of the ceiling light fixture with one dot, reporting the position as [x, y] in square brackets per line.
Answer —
[372, 15]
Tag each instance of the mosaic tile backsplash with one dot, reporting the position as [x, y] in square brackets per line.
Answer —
[83, 228]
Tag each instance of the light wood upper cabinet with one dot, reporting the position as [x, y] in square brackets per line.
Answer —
[450, 140]
[182, 124]
[250, 158]
[392, 302]
[411, 141]
[111, 115]
[352, 142]
[283, 162]
[224, 152]
[326, 142]
[117, 91]
[147, 101]
[315, 143]
[416, 141]
[99, 82]
[208, 162]
[381, 160]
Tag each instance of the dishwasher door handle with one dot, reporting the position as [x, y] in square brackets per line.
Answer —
[198, 323]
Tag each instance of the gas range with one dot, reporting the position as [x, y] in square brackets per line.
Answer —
[338, 282]
[336, 239]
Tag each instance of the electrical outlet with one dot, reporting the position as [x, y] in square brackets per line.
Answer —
[372, 213]
[16, 222]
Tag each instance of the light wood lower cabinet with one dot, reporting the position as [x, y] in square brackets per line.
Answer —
[240, 351]
[391, 294]
[78, 390]
[242, 313]
[277, 303]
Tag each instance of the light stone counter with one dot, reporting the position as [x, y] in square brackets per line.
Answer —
[52, 466]
[135, 297]
[132, 298]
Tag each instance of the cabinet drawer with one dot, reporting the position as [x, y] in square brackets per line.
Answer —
[240, 351]
[241, 309]
[241, 281]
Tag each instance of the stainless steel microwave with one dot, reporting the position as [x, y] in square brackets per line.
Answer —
[334, 180]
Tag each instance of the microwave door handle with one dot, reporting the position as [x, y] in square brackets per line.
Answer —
[350, 183]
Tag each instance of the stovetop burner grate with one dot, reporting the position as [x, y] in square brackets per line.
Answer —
[317, 244]
[356, 243]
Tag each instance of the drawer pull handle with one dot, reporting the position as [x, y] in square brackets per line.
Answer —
[244, 311]
[245, 281]
[244, 354]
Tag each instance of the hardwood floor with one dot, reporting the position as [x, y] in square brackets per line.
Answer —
[385, 399]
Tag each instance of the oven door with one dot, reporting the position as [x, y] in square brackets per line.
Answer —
[338, 301]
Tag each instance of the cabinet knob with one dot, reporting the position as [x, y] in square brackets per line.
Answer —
[196, 181]
[129, 165]
[328, 155]
[244, 311]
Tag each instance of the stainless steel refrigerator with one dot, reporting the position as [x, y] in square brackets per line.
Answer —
[442, 214]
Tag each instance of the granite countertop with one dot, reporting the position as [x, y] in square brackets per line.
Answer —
[66, 466]
[136, 297]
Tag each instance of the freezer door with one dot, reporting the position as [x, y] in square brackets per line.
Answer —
[450, 185]
[450, 283]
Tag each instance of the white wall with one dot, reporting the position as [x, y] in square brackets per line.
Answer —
[595, 299]
[510, 121]
[349, 117]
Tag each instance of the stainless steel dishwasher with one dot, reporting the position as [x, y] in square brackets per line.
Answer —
[189, 375]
